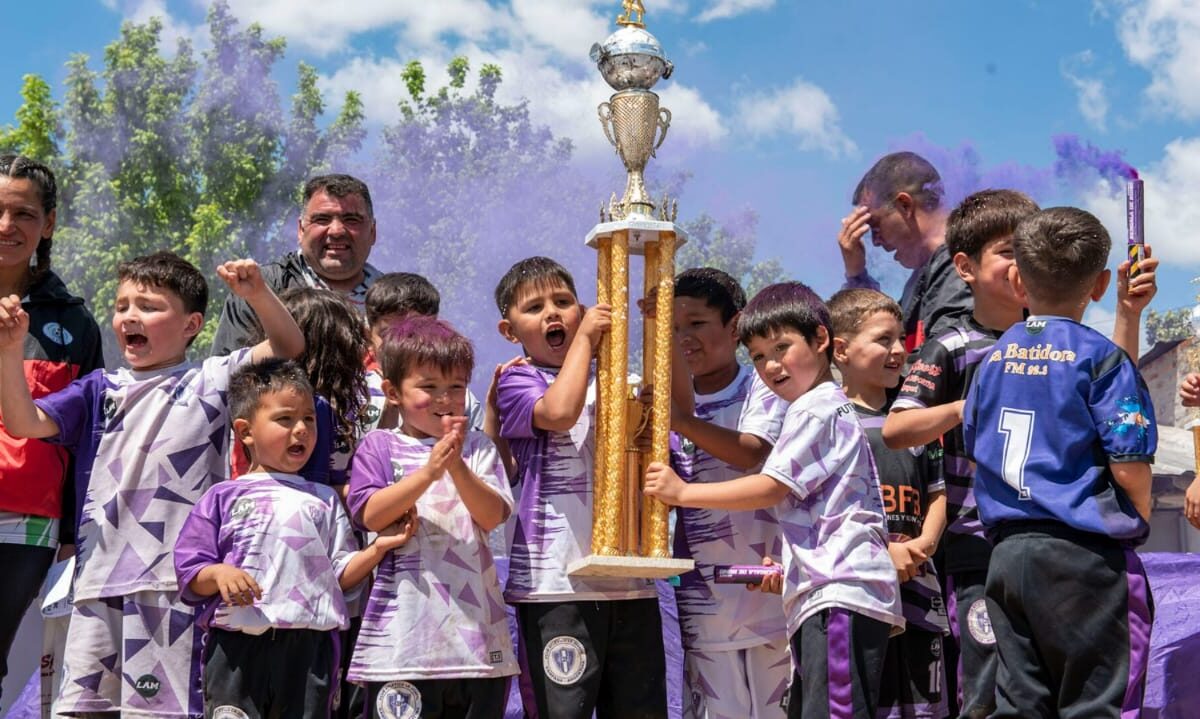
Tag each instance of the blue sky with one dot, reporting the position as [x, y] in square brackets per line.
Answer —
[779, 105]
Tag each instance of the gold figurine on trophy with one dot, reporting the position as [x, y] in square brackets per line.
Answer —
[630, 531]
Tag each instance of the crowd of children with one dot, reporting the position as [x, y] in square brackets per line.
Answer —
[935, 515]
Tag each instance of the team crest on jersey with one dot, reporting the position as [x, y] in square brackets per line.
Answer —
[108, 407]
[980, 624]
[57, 334]
[314, 512]
[398, 700]
[229, 712]
[147, 685]
[397, 470]
[370, 416]
[1035, 327]
[242, 508]
[564, 660]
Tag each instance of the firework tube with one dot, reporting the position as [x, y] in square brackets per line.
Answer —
[744, 573]
[1135, 213]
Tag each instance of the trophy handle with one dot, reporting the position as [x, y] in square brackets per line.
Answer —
[606, 118]
[664, 123]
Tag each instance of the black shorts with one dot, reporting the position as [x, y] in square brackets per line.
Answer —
[1072, 615]
[285, 672]
[442, 698]
[841, 655]
[603, 656]
[914, 676]
[971, 623]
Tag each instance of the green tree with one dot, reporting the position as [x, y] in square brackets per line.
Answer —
[730, 246]
[38, 129]
[1168, 326]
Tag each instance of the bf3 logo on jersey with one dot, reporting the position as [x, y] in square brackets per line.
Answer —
[398, 700]
[980, 624]
[564, 660]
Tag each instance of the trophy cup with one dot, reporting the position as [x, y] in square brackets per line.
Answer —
[629, 530]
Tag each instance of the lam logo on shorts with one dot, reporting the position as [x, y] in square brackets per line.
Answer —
[564, 660]
[147, 685]
[229, 712]
[979, 623]
[398, 700]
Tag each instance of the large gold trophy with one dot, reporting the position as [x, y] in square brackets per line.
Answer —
[629, 531]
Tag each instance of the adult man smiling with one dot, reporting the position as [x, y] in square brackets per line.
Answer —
[336, 232]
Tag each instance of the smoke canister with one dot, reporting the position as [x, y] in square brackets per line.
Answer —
[1135, 217]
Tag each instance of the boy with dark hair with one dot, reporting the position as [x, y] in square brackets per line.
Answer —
[868, 348]
[929, 407]
[266, 559]
[735, 642]
[1062, 429]
[841, 597]
[446, 652]
[148, 440]
[592, 644]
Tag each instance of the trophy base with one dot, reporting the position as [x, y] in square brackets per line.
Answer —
[642, 231]
[595, 565]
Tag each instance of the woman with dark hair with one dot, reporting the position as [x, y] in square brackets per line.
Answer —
[37, 503]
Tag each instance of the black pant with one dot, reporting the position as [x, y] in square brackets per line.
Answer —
[841, 655]
[24, 569]
[977, 658]
[351, 696]
[1072, 615]
[438, 699]
[601, 656]
[282, 674]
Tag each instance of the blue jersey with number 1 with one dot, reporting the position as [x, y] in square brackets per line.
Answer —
[1053, 404]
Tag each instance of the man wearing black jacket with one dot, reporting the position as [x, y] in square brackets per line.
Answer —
[336, 232]
[899, 201]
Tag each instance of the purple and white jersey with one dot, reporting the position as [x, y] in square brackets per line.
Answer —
[553, 523]
[435, 610]
[725, 617]
[834, 534]
[291, 535]
[147, 446]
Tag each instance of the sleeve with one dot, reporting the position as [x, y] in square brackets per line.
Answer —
[198, 544]
[370, 472]
[763, 412]
[801, 458]
[90, 359]
[343, 544]
[474, 412]
[1122, 411]
[945, 299]
[236, 327]
[72, 409]
[518, 390]
[970, 423]
[930, 378]
[862, 281]
[318, 468]
[485, 462]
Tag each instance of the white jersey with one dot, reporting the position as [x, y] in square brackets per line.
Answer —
[435, 609]
[293, 536]
[834, 534]
[724, 617]
[147, 446]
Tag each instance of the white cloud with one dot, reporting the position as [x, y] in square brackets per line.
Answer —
[1163, 36]
[1100, 318]
[1172, 219]
[173, 29]
[802, 111]
[1090, 94]
[724, 9]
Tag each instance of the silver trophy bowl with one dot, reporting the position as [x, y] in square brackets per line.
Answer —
[631, 58]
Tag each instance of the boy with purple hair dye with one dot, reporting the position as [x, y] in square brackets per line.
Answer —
[434, 639]
[840, 590]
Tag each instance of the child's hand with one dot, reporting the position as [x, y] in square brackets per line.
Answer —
[959, 407]
[398, 533]
[664, 484]
[596, 322]
[772, 584]
[1134, 295]
[237, 588]
[1191, 503]
[907, 558]
[1189, 391]
[449, 447]
[243, 277]
[492, 397]
[14, 323]
[649, 304]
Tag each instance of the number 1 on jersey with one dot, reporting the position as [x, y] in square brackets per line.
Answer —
[1017, 427]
